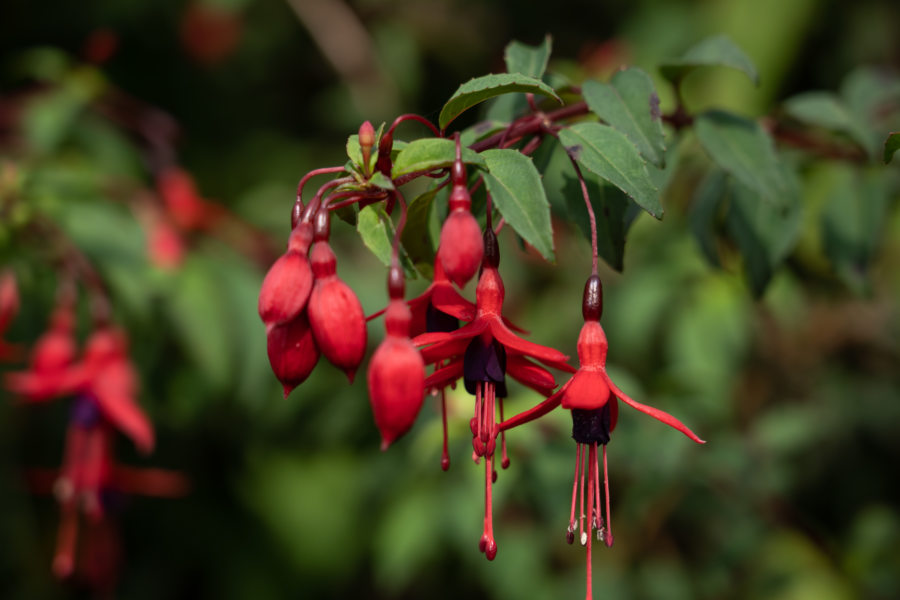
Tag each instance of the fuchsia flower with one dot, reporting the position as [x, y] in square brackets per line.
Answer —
[593, 399]
[483, 352]
[460, 236]
[335, 313]
[287, 285]
[9, 306]
[292, 350]
[90, 483]
[396, 375]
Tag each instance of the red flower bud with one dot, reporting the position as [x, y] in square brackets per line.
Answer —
[287, 285]
[462, 246]
[181, 198]
[292, 352]
[9, 299]
[335, 314]
[165, 248]
[366, 142]
[396, 377]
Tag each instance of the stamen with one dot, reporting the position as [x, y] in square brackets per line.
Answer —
[570, 533]
[64, 560]
[592, 484]
[583, 536]
[609, 535]
[504, 462]
[479, 420]
[445, 454]
[487, 543]
[599, 515]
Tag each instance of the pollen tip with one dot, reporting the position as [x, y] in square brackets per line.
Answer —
[570, 537]
[584, 538]
[445, 463]
[490, 550]
[609, 539]
[287, 390]
[505, 463]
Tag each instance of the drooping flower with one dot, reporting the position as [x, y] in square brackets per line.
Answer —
[91, 483]
[396, 375]
[461, 239]
[9, 306]
[292, 351]
[483, 352]
[286, 287]
[335, 313]
[593, 399]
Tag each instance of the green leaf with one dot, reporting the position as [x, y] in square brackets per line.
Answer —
[481, 130]
[853, 222]
[891, 145]
[715, 51]
[823, 109]
[704, 212]
[380, 180]
[629, 103]
[517, 192]
[764, 233]
[744, 149]
[377, 232]
[610, 205]
[528, 60]
[416, 236]
[608, 153]
[429, 154]
[480, 89]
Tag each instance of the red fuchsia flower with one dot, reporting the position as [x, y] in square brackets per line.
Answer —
[286, 287]
[335, 313]
[53, 354]
[396, 375]
[9, 307]
[483, 352]
[461, 240]
[165, 248]
[593, 399]
[91, 484]
[292, 350]
[183, 202]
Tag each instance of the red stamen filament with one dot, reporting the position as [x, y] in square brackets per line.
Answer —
[505, 460]
[479, 421]
[570, 533]
[487, 543]
[598, 518]
[592, 483]
[609, 535]
[64, 560]
[445, 454]
[581, 534]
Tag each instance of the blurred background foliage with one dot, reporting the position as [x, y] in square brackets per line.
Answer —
[795, 495]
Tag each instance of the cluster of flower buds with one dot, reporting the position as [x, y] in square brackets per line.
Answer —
[103, 386]
[461, 339]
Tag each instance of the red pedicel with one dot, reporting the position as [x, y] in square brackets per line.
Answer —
[396, 376]
[287, 285]
[292, 352]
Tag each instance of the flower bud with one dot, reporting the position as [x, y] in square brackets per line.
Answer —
[292, 352]
[396, 377]
[366, 142]
[9, 299]
[335, 314]
[462, 246]
[287, 285]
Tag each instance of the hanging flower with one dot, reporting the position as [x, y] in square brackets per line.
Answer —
[396, 375]
[483, 352]
[92, 484]
[292, 351]
[9, 306]
[287, 285]
[593, 399]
